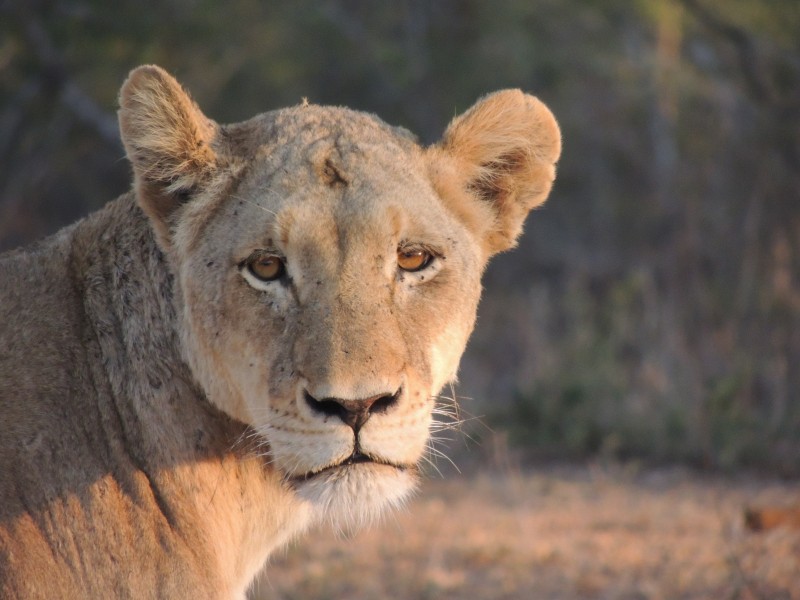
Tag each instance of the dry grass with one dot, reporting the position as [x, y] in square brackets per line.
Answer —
[567, 533]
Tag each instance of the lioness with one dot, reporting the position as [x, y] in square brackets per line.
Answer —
[249, 342]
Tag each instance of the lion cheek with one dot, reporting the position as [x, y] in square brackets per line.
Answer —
[232, 372]
[399, 445]
[444, 356]
[222, 388]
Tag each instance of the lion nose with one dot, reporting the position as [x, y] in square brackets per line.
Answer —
[353, 412]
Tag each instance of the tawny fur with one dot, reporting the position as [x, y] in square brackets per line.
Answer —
[165, 415]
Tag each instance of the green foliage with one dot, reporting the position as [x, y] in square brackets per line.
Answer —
[609, 393]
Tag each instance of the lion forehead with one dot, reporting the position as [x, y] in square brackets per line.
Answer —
[289, 131]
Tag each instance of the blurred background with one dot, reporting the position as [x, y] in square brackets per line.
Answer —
[652, 310]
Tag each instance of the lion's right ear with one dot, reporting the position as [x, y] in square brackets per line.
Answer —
[167, 139]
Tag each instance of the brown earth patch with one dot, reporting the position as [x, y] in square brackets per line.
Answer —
[565, 533]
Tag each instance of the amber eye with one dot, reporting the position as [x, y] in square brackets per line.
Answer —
[413, 260]
[267, 267]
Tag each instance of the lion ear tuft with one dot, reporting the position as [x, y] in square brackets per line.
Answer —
[167, 139]
[503, 152]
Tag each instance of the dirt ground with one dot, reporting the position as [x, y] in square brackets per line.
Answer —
[571, 533]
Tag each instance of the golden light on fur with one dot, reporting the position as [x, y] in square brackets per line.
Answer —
[250, 342]
[503, 151]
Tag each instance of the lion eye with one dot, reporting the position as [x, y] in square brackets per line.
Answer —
[267, 267]
[413, 260]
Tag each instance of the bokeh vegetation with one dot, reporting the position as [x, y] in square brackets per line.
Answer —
[653, 307]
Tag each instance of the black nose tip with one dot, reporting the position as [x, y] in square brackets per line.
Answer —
[353, 412]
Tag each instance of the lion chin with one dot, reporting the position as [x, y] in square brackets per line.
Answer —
[352, 496]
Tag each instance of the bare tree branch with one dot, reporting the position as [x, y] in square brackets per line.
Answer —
[86, 109]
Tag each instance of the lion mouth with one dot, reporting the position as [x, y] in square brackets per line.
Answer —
[356, 458]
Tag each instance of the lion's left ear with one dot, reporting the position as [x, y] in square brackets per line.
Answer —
[167, 139]
[495, 163]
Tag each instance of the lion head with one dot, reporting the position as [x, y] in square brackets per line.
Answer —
[328, 268]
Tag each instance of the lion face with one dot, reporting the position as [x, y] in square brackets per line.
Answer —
[328, 269]
[327, 302]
